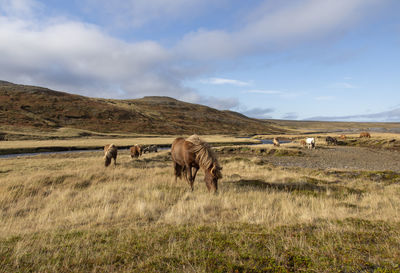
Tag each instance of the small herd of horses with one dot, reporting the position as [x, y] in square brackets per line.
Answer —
[188, 156]
[137, 150]
[310, 142]
[191, 154]
[111, 152]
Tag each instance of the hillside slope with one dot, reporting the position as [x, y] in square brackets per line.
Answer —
[23, 106]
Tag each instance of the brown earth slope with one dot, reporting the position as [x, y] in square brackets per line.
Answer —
[23, 106]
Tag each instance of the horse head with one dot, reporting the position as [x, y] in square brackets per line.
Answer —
[211, 177]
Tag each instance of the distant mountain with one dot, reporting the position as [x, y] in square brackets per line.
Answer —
[23, 106]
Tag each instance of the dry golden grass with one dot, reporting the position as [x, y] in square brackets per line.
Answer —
[60, 191]
[44, 196]
[96, 142]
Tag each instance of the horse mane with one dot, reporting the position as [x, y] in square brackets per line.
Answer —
[204, 155]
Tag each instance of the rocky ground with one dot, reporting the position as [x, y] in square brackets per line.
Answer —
[339, 157]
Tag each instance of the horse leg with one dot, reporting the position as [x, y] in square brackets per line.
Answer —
[185, 172]
[191, 180]
[194, 173]
[178, 171]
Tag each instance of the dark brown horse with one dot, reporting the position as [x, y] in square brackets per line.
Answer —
[191, 154]
[150, 149]
[331, 140]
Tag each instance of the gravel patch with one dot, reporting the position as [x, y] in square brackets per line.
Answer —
[348, 158]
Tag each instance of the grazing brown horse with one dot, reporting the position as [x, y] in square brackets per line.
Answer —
[365, 134]
[150, 149]
[188, 155]
[303, 143]
[331, 140]
[110, 152]
[342, 137]
[136, 151]
[276, 142]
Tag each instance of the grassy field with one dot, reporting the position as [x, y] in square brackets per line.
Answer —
[30, 146]
[68, 213]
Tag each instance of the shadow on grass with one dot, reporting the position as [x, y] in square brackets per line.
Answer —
[296, 187]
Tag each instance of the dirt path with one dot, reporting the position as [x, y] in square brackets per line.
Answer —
[349, 158]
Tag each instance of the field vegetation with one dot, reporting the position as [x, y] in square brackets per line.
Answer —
[92, 143]
[378, 140]
[68, 213]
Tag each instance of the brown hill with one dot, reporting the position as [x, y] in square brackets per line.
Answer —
[23, 106]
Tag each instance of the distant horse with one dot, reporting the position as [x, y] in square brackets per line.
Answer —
[365, 134]
[303, 143]
[150, 149]
[331, 140]
[136, 151]
[276, 142]
[342, 137]
[310, 142]
[110, 152]
[188, 155]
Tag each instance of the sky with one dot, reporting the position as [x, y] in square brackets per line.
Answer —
[290, 59]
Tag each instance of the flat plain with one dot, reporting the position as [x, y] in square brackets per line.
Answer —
[279, 209]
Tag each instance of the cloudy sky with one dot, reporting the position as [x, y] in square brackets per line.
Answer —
[290, 59]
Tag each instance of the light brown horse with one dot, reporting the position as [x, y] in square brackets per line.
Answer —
[276, 142]
[110, 152]
[136, 151]
[303, 143]
[188, 155]
[342, 137]
[365, 134]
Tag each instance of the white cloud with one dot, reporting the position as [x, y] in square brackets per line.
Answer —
[80, 58]
[19, 8]
[283, 25]
[281, 94]
[136, 13]
[221, 81]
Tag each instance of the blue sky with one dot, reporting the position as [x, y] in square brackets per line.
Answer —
[292, 59]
